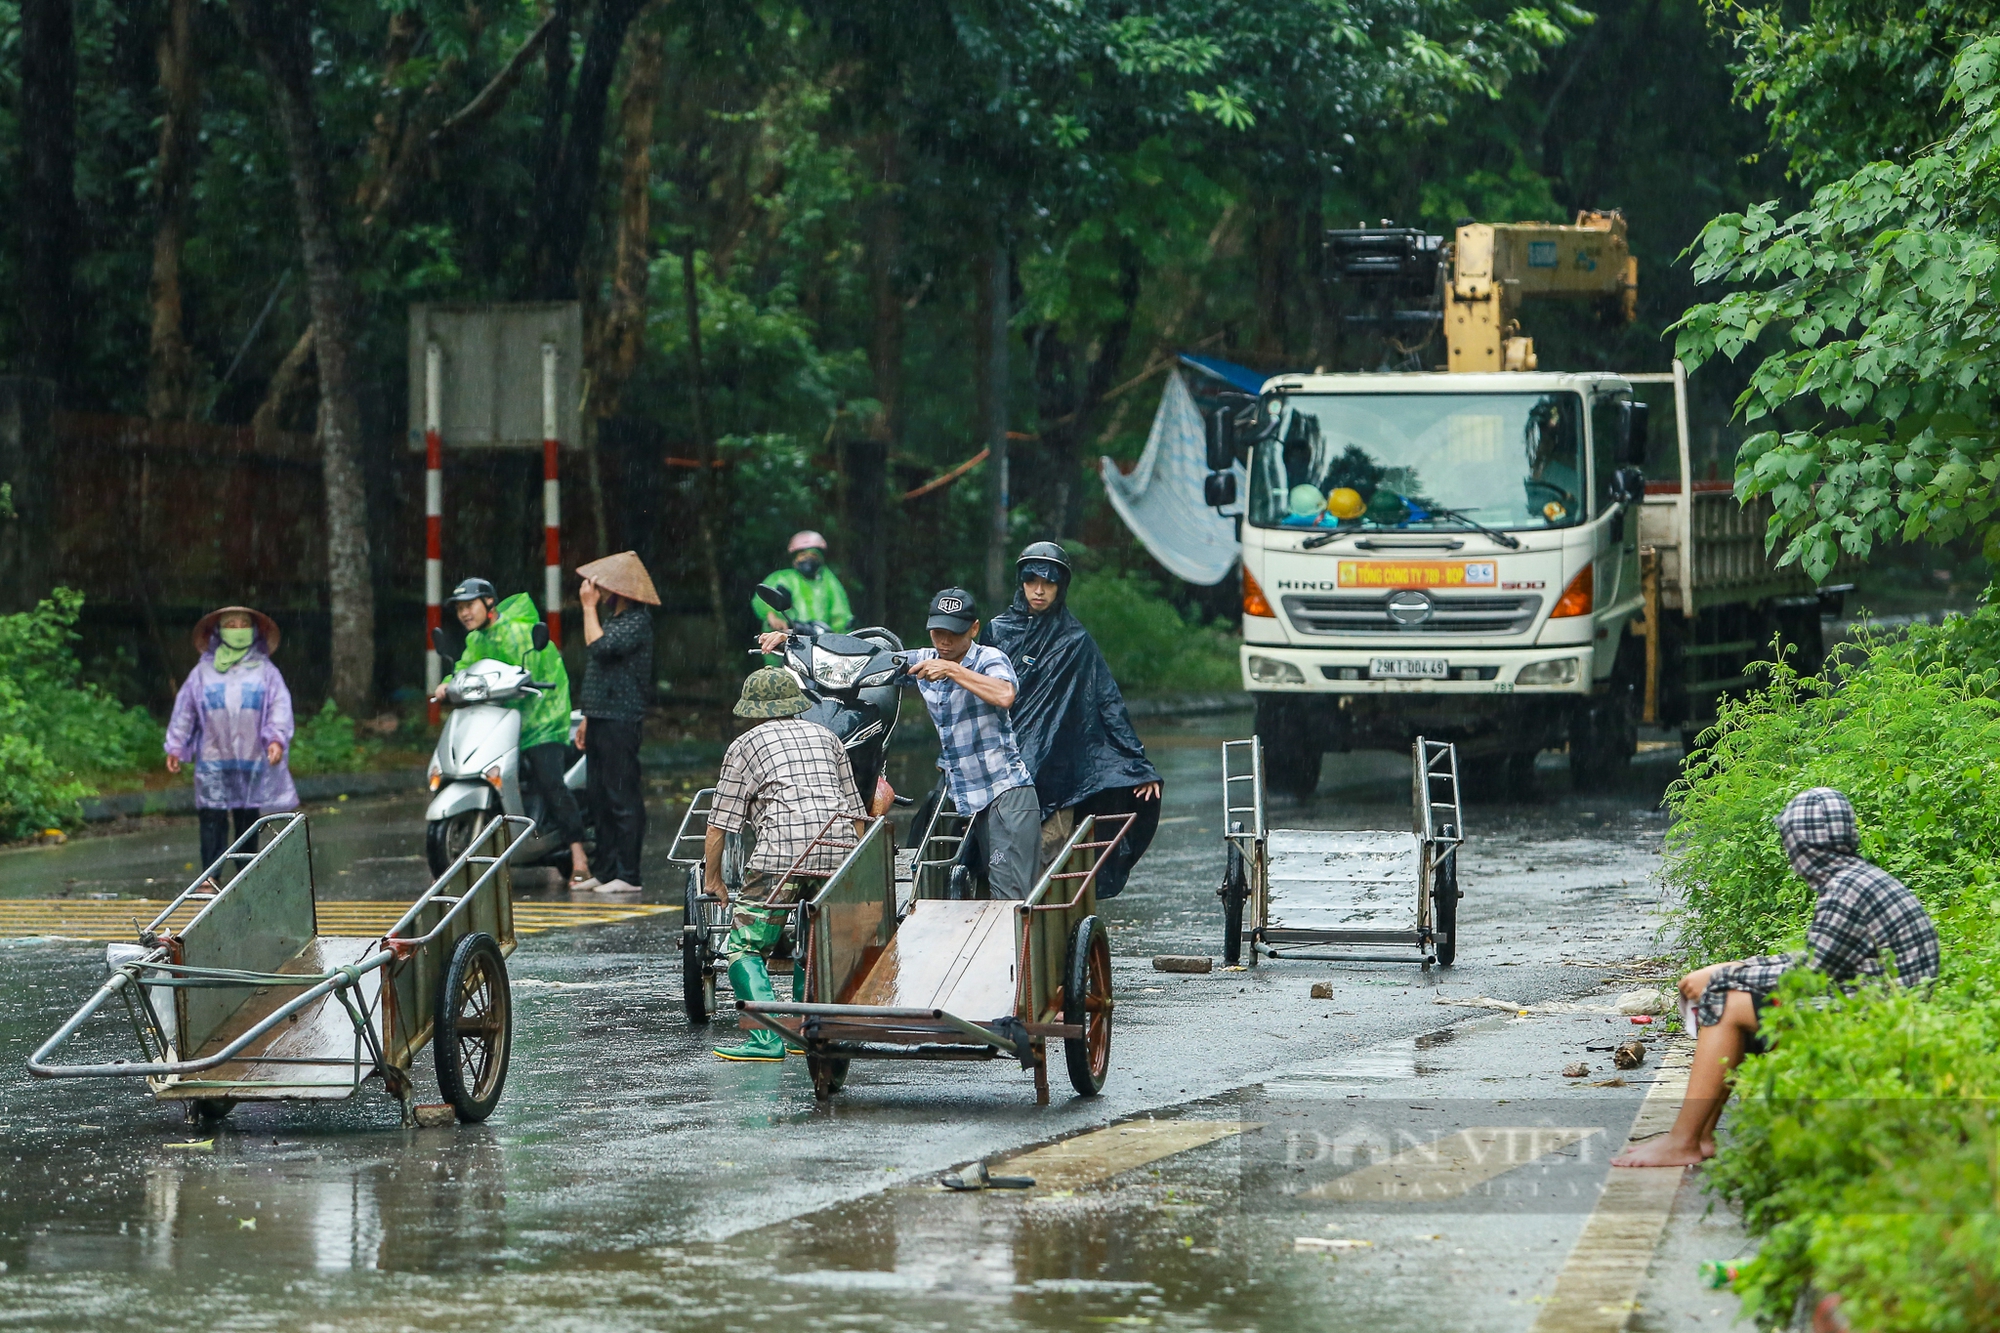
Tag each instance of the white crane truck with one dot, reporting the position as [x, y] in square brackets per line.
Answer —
[1474, 554]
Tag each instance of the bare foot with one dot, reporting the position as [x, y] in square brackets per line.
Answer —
[1662, 1151]
[1707, 1148]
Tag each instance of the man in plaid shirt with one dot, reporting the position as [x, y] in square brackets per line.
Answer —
[790, 781]
[1865, 918]
[968, 688]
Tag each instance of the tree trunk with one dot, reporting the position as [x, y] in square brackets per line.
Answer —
[170, 369]
[869, 457]
[622, 326]
[1070, 386]
[567, 199]
[277, 32]
[993, 304]
[48, 212]
[709, 517]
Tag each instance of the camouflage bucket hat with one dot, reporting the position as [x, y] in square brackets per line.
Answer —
[771, 692]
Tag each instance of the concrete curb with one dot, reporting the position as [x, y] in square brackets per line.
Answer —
[180, 800]
[1189, 705]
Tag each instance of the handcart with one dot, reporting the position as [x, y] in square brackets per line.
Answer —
[952, 979]
[705, 922]
[234, 995]
[1284, 890]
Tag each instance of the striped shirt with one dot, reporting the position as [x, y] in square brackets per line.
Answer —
[979, 756]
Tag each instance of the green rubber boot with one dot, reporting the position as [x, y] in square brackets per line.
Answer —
[752, 981]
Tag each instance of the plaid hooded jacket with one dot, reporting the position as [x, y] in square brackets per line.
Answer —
[1864, 912]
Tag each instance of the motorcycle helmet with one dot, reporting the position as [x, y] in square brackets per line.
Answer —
[1045, 560]
[472, 590]
[805, 541]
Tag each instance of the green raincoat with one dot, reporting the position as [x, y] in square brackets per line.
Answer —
[510, 639]
[821, 599]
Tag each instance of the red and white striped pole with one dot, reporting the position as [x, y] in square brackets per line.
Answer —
[433, 521]
[551, 499]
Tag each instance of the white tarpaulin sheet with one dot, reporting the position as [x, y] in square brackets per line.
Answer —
[1161, 500]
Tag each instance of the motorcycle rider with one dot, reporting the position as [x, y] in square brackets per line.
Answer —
[1070, 719]
[815, 589]
[504, 632]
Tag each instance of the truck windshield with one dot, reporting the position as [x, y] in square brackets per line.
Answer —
[1396, 460]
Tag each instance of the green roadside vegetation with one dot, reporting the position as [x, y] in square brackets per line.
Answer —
[1863, 1147]
[1151, 646]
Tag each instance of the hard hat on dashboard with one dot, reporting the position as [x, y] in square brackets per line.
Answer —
[1345, 502]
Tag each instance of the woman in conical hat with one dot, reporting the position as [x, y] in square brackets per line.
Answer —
[617, 687]
[233, 721]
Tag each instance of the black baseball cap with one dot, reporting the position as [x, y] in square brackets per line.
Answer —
[954, 610]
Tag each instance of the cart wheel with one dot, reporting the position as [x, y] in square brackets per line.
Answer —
[1235, 889]
[829, 1074]
[446, 840]
[474, 1028]
[208, 1110]
[697, 970]
[1087, 1001]
[1444, 908]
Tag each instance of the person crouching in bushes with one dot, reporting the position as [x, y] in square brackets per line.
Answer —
[1865, 918]
[233, 721]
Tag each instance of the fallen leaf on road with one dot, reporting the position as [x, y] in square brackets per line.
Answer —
[1326, 1244]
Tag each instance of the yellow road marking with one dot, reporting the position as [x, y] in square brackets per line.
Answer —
[1598, 1288]
[1452, 1165]
[110, 920]
[1103, 1153]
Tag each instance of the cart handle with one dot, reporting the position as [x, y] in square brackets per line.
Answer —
[1088, 877]
[339, 979]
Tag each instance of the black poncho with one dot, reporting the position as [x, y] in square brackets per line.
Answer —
[1072, 727]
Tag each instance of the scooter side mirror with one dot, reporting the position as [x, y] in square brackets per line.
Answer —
[441, 643]
[778, 599]
[540, 635]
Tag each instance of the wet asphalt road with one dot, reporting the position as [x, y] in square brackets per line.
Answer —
[629, 1180]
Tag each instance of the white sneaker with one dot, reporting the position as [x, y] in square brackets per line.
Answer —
[617, 886]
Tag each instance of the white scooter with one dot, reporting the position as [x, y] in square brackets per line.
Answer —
[476, 769]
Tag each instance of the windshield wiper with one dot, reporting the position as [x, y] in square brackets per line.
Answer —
[1507, 540]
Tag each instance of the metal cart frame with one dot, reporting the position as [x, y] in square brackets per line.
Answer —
[233, 994]
[1047, 959]
[1431, 848]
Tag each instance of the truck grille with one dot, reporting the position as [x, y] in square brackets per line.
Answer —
[1368, 613]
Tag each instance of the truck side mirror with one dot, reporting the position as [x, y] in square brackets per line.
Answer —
[1220, 426]
[1219, 491]
[1628, 485]
[778, 599]
[1632, 432]
[539, 635]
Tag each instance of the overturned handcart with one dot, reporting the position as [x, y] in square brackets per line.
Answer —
[1347, 894]
[951, 979]
[233, 994]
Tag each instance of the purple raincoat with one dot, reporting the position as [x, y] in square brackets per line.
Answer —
[222, 722]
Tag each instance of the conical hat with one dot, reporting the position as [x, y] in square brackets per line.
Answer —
[266, 627]
[623, 574]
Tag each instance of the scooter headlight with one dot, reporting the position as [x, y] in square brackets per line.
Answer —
[835, 672]
[472, 690]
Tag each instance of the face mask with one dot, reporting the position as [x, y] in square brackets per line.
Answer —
[808, 566]
[238, 638]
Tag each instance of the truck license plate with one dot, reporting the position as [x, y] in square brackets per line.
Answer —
[1408, 668]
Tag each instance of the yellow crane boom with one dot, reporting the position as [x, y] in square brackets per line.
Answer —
[1497, 266]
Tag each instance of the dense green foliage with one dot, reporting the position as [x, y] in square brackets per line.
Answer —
[56, 730]
[1863, 1147]
[1149, 646]
[1877, 422]
[329, 742]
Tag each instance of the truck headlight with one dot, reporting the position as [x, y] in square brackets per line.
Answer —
[1270, 671]
[1562, 671]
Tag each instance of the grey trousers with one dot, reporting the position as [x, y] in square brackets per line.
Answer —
[1010, 830]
